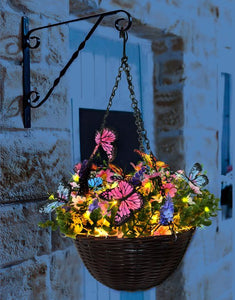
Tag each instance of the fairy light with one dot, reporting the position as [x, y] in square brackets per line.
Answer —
[206, 209]
[113, 203]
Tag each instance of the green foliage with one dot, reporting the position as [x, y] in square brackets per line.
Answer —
[49, 223]
[96, 215]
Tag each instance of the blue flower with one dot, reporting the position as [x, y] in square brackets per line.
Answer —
[95, 182]
[94, 205]
[167, 211]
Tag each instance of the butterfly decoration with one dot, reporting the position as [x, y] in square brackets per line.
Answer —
[49, 207]
[196, 180]
[130, 201]
[151, 160]
[104, 139]
[118, 172]
[94, 183]
[62, 199]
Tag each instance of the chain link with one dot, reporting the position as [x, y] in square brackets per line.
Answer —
[142, 133]
[118, 78]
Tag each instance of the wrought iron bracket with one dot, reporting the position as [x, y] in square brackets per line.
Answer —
[31, 99]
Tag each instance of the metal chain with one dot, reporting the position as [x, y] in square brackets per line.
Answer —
[142, 133]
[118, 78]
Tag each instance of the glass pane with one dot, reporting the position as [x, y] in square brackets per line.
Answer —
[227, 201]
[123, 123]
[225, 147]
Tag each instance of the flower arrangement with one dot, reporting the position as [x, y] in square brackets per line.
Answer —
[101, 200]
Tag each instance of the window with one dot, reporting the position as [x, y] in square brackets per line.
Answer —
[226, 150]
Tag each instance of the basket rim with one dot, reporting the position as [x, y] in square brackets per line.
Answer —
[114, 238]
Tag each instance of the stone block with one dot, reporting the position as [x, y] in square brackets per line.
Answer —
[57, 46]
[80, 7]
[169, 117]
[10, 33]
[55, 113]
[27, 280]
[171, 150]
[65, 274]
[58, 242]
[52, 8]
[173, 287]
[11, 95]
[159, 46]
[32, 163]
[168, 98]
[20, 236]
[177, 44]
[172, 66]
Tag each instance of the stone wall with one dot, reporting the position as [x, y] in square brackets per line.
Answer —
[185, 44]
[32, 260]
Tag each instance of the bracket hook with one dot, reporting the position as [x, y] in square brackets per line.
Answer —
[31, 98]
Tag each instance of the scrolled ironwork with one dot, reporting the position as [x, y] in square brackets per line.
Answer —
[35, 103]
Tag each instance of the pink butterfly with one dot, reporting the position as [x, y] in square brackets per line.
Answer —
[104, 139]
[130, 201]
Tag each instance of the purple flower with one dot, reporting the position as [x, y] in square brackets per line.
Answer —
[94, 205]
[138, 176]
[167, 211]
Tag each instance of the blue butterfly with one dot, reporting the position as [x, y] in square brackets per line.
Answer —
[195, 179]
[94, 183]
[49, 207]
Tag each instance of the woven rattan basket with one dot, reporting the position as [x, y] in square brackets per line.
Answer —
[133, 264]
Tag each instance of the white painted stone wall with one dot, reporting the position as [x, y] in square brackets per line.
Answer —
[32, 161]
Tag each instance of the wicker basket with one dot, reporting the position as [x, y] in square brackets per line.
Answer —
[133, 264]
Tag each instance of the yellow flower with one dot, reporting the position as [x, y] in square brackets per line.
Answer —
[77, 228]
[103, 222]
[100, 232]
[77, 223]
[147, 187]
[51, 197]
[188, 200]
[155, 218]
[157, 198]
[76, 178]
[160, 164]
[176, 219]
[206, 209]
[86, 217]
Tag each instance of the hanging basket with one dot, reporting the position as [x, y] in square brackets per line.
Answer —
[133, 264]
[131, 230]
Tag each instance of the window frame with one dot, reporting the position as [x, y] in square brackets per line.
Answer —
[225, 66]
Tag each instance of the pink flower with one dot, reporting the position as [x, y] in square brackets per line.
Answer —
[104, 207]
[77, 167]
[169, 189]
[106, 175]
[74, 184]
